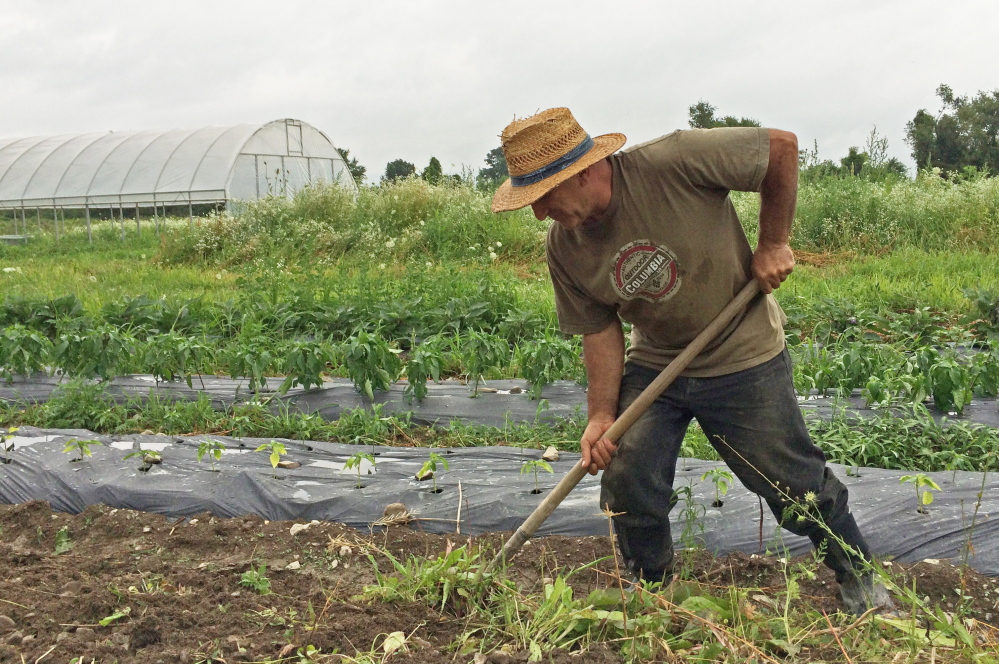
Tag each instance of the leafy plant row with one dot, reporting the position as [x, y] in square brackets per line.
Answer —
[369, 359]
[278, 305]
[888, 375]
[914, 443]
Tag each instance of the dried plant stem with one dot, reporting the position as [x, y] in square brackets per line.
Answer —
[836, 636]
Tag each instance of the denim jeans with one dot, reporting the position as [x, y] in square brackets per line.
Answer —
[752, 419]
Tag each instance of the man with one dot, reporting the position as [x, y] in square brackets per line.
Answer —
[650, 236]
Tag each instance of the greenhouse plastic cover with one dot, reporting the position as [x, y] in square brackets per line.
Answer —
[486, 482]
[209, 164]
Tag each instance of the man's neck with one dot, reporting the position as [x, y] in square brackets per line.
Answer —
[602, 183]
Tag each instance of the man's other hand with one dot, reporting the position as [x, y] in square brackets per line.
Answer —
[597, 450]
[772, 264]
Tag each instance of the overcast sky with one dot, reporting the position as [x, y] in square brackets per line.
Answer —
[442, 78]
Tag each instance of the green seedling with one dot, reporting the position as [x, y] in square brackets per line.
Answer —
[924, 489]
[535, 465]
[149, 458]
[118, 615]
[256, 579]
[691, 516]
[62, 541]
[6, 447]
[721, 479]
[430, 467]
[213, 448]
[275, 449]
[354, 461]
[81, 447]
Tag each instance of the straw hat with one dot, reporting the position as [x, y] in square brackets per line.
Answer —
[545, 150]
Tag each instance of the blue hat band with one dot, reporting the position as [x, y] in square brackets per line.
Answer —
[557, 166]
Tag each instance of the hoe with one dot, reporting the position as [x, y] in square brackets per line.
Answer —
[625, 420]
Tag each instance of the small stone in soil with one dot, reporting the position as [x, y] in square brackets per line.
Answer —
[551, 454]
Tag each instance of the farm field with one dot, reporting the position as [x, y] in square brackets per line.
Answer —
[137, 587]
[896, 300]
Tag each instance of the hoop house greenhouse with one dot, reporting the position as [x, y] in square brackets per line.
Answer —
[178, 167]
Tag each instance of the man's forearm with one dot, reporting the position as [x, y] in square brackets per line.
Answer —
[603, 355]
[773, 259]
[779, 190]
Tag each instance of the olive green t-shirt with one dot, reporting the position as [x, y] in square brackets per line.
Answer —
[669, 253]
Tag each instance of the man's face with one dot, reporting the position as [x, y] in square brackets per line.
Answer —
[567, 204]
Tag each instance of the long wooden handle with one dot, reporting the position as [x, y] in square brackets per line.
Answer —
[627, 418]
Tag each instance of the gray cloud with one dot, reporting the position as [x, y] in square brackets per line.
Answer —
[441, 77]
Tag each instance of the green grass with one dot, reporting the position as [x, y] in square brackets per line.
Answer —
[909, 278]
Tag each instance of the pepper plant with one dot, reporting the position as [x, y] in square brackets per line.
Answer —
[105, 351]
[924, 486]
[721, 479]
[354, 461]
[304, 363]
[431, 466]
[535, 465]
[546, 360]
[5, 447]
[251, 358]
[23, 351]
[213, 448]
[480, 352]
[426, 361]
[81, 447]
[148, 457]
[171, 355]
[371, 364]
[275, 449]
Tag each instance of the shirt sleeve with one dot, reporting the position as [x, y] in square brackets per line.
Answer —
[733, 158]
[577, 312]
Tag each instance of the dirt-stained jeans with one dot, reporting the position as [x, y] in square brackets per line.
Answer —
[753, 420]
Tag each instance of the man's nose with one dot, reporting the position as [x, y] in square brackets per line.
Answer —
[540, 210]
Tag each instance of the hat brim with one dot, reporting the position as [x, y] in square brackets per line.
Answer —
[508, 197]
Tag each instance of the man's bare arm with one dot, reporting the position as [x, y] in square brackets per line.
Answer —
[773, 260]
[603, 355]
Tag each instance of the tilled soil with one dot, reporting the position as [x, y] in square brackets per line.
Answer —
[138, 587]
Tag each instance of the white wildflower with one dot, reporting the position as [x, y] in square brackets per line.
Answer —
[381, 266]
[395, 198]
[10, 270]
[218, 275]
[93, 279]
[392, 212]
[471, 248]
[492, 255]
[421, 222]
[498, 243]
[390, 243]
[142, 256]
[429, 264]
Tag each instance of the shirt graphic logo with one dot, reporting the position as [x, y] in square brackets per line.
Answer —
[645, 270]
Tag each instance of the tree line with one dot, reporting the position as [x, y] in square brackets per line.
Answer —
[961, 138]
